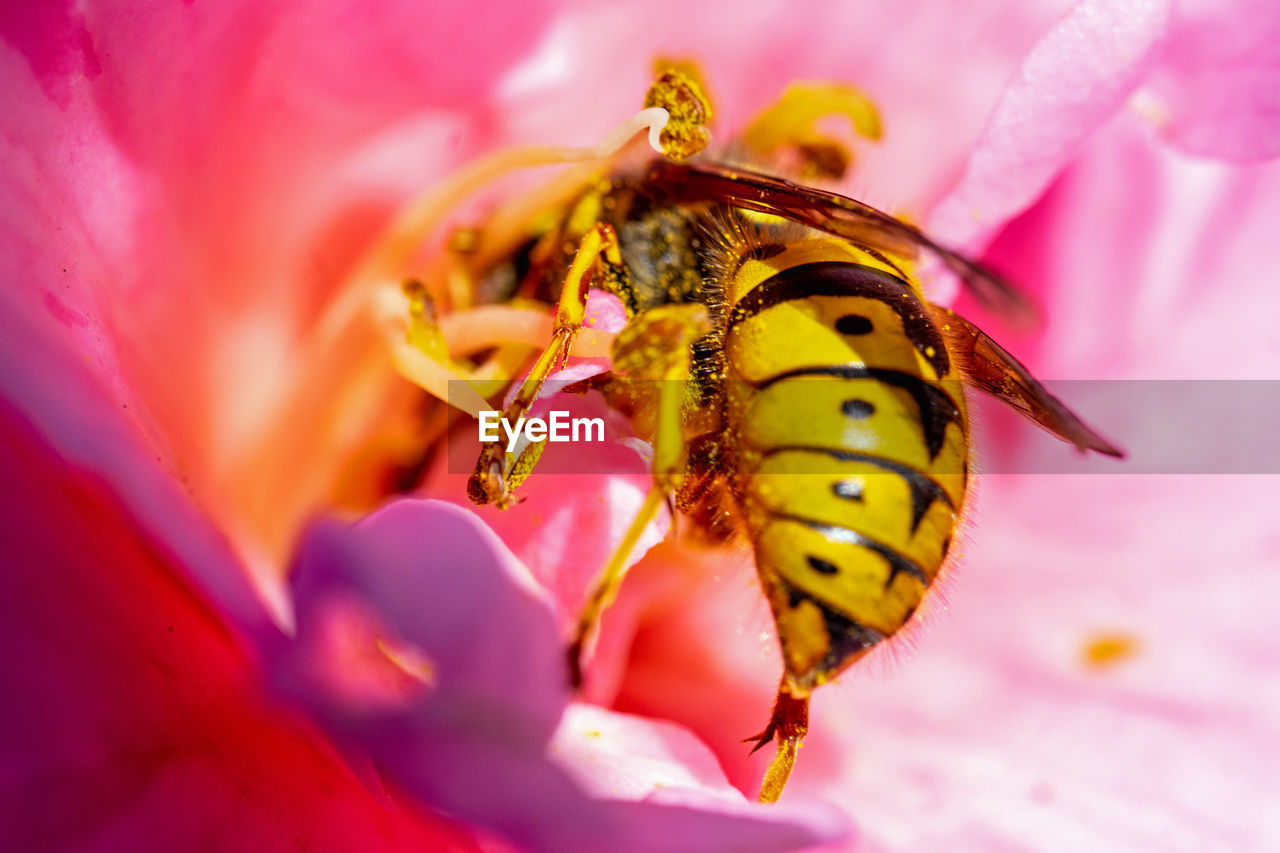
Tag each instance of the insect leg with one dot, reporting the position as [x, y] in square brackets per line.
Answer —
[789, 724]
[497, 472]
[704, 495]
[606, 588]
[655, 346]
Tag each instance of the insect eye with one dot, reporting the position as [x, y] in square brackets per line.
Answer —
[853, 324]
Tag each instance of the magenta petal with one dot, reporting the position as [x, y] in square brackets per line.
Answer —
[133, 718]
[90, 430]
[997, 734]
[1074, 80]
[53, 40]
[472, 738]
[628, 757]
[1164, 281]
[185, 186]
[934, 73]
[65, 196]
[620, 756]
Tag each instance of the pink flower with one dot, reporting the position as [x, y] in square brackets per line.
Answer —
[188, 186]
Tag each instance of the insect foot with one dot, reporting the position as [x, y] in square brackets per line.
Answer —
[788, 725]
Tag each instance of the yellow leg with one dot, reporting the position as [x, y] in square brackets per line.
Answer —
[788, 725]
[497, 471]
[655, 347]
[606, 588]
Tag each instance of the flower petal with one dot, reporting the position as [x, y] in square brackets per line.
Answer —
[191, 184]
[1162, 281]
[596, 63]
[619, 756]
[576, 507]
[691, 639]
[93, 431]
[622, 757]
[440, 580]
[473, 741]
[1007, 724]
[1216, 89]
[135, 720]
[1073, 81]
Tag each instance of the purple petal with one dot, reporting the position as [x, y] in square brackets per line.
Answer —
[472, 738]
[134, 719]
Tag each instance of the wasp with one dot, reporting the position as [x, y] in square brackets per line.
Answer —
[796, 385]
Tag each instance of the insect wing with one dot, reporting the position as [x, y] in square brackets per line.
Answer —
[836, 214]
[989, 366]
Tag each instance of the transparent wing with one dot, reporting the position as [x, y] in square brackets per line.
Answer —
[989, 366]
[835, 214]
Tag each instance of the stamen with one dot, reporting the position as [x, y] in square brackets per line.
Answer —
[686, 133]
[791, 121]
[423, 215]
[416, 347]
[415, 341]
[374, 285]
[435, 378]
[491, 325]
[653, 119]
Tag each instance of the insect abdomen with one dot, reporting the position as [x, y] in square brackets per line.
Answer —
[851, 448]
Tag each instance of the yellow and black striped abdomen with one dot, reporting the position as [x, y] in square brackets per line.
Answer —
[851, 445]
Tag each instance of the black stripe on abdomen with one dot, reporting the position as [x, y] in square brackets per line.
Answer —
[846, 637]
[937, 409]
[924, 489]
[898, 563]
[845, 278]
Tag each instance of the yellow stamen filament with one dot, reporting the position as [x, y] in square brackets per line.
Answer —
[376, 283]
[488, 326]
[424, 215]
[792, 121]
[435, 378]
[349, 394]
